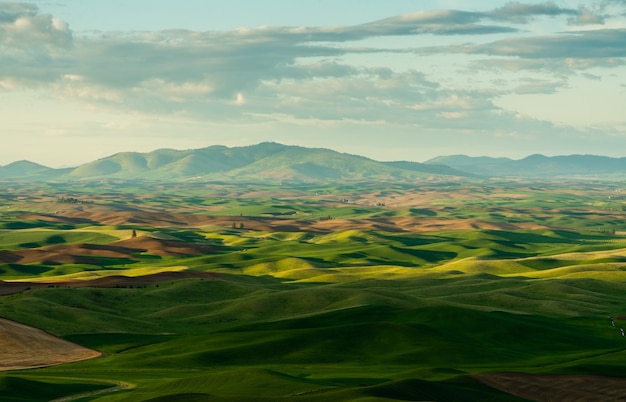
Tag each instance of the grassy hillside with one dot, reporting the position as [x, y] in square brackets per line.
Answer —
[361, 292]
[289, 339]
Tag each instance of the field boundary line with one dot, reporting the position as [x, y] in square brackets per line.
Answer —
[119, 386]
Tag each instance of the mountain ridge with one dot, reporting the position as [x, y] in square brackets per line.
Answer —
[264, 161]
[277, 162]
[536, 165]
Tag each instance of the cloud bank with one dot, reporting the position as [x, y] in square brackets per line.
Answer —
[438, 71]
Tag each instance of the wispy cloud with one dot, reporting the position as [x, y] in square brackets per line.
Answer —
[521, 13]
[588, 44]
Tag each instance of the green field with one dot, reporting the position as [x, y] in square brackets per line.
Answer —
[322, 292]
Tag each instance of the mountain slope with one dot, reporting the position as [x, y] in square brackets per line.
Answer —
[292, 162]
[28, 170]
[273, 161]
[265, 161]
[433, 168]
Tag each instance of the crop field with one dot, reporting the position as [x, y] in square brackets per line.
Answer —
[458, 290]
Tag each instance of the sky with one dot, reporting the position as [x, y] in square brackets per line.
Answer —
[390, 80]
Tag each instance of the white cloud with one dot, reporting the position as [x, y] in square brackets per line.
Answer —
[323, 76]
[240, 99]
[21, 26]
[587, 17]
[452, 115]
[173, 91]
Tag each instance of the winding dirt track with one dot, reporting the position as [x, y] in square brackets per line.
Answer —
[119, 385]
[23, 347]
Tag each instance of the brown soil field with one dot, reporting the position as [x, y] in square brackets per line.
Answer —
[159, 219]
[24, 347]
[7, 288]
[558, 388]
[92, 253]
[27, 347]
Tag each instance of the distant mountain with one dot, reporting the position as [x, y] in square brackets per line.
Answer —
[433, 168]
[272, 161]
[29, 170]
[265, 161]
[536, 166]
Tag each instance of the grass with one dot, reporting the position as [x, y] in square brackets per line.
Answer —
[30, 238]
[25, 388]
[232, 337]
[354, 314]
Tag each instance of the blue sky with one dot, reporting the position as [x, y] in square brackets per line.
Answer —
[391, 80]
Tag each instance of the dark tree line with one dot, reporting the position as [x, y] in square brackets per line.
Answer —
[72, 200]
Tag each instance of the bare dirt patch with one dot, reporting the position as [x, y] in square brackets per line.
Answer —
[12, 287]
[24, 347]
[27, 347]
[558, 388]
[93, 253]
[163, 247]
[273, 224]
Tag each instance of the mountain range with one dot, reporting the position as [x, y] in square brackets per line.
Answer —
[537, 166]
[273, 161]
[265, 161]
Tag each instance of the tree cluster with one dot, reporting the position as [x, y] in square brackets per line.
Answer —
[72, 200]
